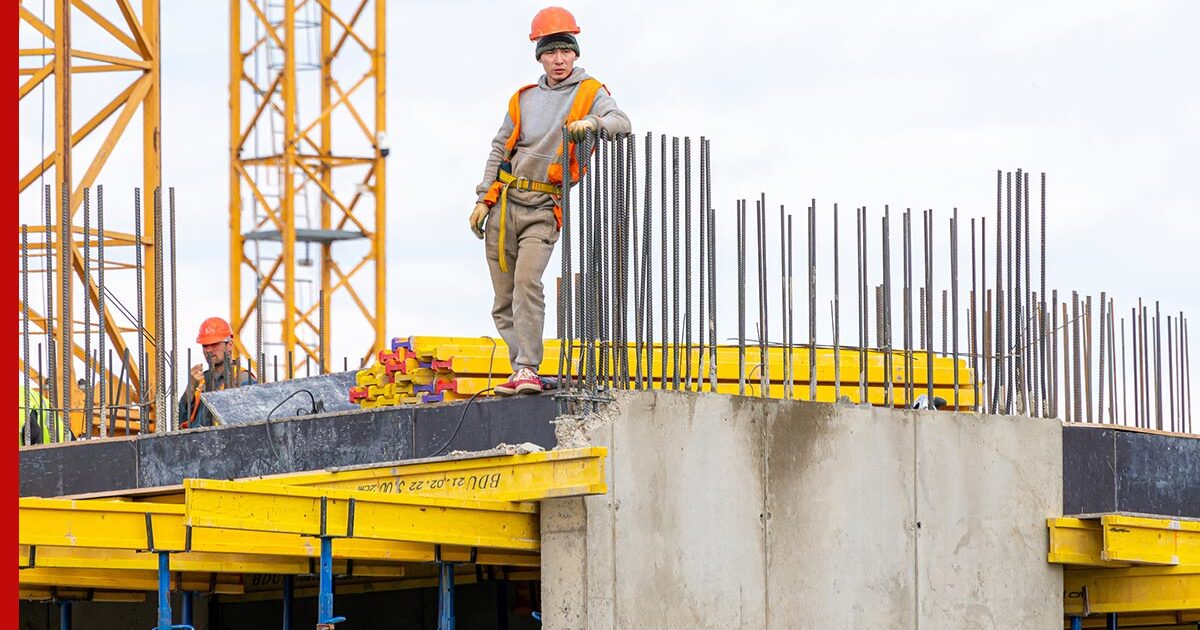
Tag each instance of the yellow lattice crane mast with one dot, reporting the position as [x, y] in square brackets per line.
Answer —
[122, 49]
[306, 176]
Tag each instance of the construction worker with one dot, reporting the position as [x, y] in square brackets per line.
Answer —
[216, 339]
[36, 411]
[517, 211]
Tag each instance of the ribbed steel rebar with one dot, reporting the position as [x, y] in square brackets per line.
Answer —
[1019, 307]
[764, 329]
[675, 336]
[702, 304]
[564, 279]
[88, 399]
[972, 334]
[790, 320]
[812, 299]
[139, 325]
[100, 299]
[783, 304]
[665, 281]
[1027, 322]
[51, 388]
[1076, 360]
[863, 322]
[647, 277]
[1045, 396]
[888, 373]
[954, 300]
[66, 314]
[173, 383]
[1158, 390]
[908, 314]
[1087, 359]
[162, 416]
[25, 364]
[1010, 382]
[837, 284]
[929, 304]
[1170, 376]
[1101, 365]
[741, 278]
[687, 261]
[998, 330]
[639, 293]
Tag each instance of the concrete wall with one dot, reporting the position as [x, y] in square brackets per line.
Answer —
[729, 512]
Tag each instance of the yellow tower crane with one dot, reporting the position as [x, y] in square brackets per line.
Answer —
[306, 177]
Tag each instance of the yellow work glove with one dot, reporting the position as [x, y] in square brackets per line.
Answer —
[478, 219]
[578, 130]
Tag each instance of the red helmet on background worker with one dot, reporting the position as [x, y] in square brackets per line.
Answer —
[214, 330]
[551, 21]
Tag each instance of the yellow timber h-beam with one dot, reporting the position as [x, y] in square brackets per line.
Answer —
[52, 69]
[398, 516]
[306, 133]
[1128, 565]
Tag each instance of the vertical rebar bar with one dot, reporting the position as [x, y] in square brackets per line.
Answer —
[648, 279]
[1010, 382]
[139, 325]
[1076, 359]
[909, 388]
[66, 314]
[162, 418]
[702, 305]
[972, 335]
[687, 260]
[1019, 376]
[49, 388]
[88, 399]
[790, 320]
[741, 277]
[783, 304]
[1100, 366]
[1158, 390]
[858, 289]
[889, 395]
[665, 281]
[1170, 375]
[25, 365]
[1042, 270]
[929, 305]
[760, 232]
[998, 331]
[954, 301]
[173, 398]
[675, 338]
[101, 288]
[1124, 379]
[812, 299]
[1135, 349]
[837, 333]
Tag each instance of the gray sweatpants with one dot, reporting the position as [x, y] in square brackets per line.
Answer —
[519, 308]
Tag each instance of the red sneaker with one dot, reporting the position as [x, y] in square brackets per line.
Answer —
[526, 381]
[507, 388]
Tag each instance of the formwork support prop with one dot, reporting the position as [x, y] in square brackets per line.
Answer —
[289, 594]
[164, 594]
[64, 615]
[325, 618]
[446, 589]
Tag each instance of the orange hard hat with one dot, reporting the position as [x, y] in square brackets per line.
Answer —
[213, 330]
[552, 20]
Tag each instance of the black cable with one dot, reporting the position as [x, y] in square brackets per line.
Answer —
[299, 412]
[461, 418]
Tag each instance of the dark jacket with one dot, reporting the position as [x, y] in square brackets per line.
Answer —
[192, 412]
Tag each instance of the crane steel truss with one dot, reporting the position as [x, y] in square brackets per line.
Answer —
[61, 242]
[292, 146]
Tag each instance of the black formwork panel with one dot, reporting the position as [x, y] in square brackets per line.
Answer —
[1110, 469]
[285, 445]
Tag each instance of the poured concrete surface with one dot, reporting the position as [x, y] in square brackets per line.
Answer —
[729, 512]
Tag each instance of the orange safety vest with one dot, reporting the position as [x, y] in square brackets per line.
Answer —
[585, 94]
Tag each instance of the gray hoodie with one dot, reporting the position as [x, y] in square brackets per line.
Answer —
[543, 110]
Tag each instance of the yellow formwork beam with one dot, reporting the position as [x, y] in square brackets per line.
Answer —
[116, 525]
[46, 594]
[525, 477]
[1077, 541]
[1116, 540]
[1134, 589]
[191, 562]
[260, 507]
[100, 524]
[1142, 540]
[127, 580]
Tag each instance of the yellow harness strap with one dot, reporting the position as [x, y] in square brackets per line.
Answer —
[506, 180]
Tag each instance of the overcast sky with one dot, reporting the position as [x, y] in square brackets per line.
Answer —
[912, 104]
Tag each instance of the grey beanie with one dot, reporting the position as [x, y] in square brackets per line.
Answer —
[555, 42]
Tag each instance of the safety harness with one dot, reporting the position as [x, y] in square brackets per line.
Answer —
[585, 94]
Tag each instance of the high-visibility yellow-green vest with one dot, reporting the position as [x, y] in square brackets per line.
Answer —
[37, 409]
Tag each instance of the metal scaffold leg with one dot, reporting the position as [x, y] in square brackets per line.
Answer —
[289, 594]
[64, 615]
[187, 608]
[445, 595]
[1076, 623]
[164, 594]
[325, 618]
[1112, 621]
